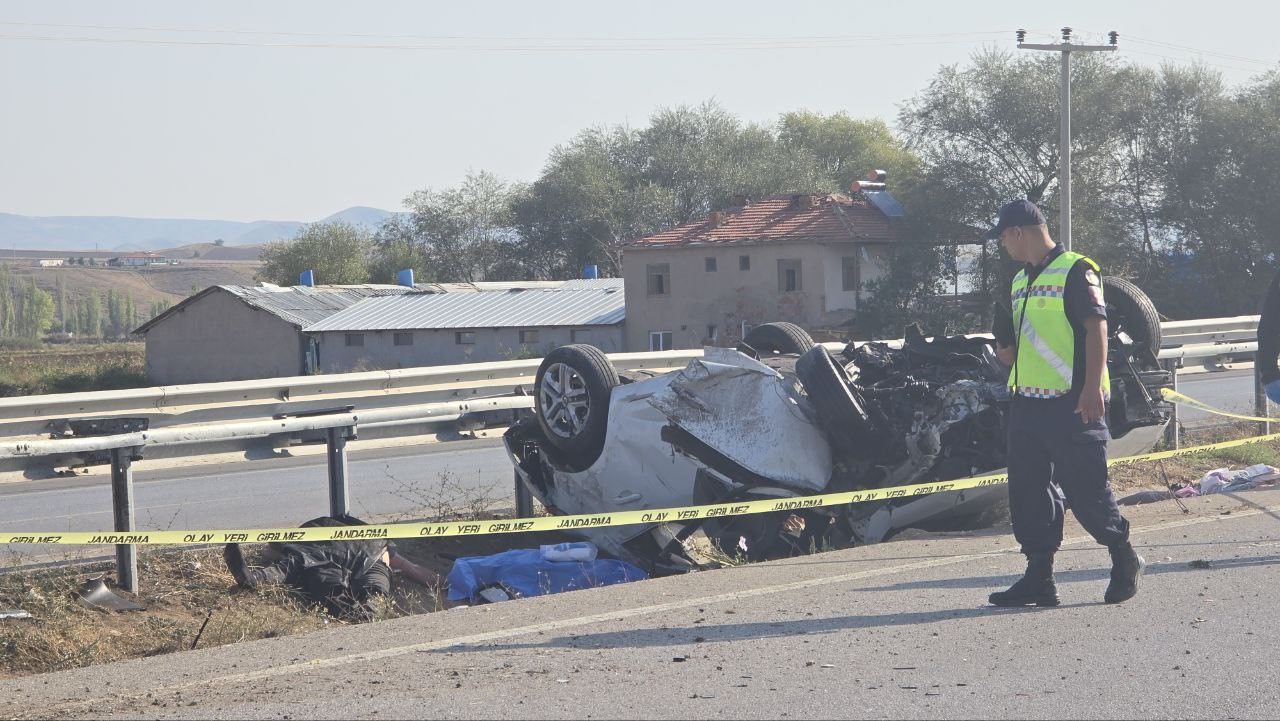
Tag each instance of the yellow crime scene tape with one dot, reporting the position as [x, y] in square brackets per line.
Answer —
[1175, 397]
[599, 520]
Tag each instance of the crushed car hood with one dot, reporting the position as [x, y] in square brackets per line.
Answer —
[752, 415]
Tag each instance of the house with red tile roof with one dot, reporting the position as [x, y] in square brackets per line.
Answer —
[801, 258]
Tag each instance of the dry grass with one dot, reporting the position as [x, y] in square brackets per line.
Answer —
[72, 368]
[1184, 469]
[184, 590]
[180, 590]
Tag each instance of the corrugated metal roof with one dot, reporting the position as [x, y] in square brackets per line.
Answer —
[302, 305]
[486, 285]
[511, 309]
[592, 284]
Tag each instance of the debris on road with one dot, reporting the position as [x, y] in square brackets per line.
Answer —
[1219, 480]
[13, 613]
[97, 594]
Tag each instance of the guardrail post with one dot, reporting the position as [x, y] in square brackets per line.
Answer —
[1260, 402]
[1172, 433]
[122, 506]
[524, 499]
[337, 454]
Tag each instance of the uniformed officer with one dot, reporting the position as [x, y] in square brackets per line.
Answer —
[1268, 357]
[1056, 343]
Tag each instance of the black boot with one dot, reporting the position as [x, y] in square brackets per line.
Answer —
[1126, 566]
[1036, 587]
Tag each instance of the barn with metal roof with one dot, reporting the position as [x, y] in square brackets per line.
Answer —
[228, 332]
[437, 329]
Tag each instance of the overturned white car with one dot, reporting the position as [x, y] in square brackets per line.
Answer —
[781, 417]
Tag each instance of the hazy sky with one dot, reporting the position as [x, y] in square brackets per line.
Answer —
[221, 110]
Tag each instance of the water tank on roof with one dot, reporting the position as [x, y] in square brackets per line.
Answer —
[405, 277]
[307, 278]
[590, 272]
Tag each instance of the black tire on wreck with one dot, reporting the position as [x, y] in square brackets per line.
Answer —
[1131, 311]
[839, 408]
[777, 338]
[571, 401]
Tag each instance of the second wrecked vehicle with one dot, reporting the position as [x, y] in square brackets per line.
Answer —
[781, 417]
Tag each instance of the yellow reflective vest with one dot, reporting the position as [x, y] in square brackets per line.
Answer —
[1043, 367]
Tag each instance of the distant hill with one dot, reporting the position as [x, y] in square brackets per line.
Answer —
[83, 232]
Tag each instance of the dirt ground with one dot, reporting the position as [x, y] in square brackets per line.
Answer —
[147, 285]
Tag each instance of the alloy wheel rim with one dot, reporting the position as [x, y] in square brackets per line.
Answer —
[564, 400]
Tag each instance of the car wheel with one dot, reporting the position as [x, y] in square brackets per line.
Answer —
[571, 400]
[779, 338]
[1131, 311]
[839, 408]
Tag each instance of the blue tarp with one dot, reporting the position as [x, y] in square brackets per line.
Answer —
[525, 573]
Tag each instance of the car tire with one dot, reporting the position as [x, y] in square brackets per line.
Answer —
[1131, 311]
[571, 400]
[777, 338]
[841, 411]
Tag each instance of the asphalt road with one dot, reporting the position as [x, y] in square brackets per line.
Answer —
[1228, 390]
[384, 484]
[896, 630]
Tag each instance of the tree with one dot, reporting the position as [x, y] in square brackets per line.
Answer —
[463, 233]
[845, 148]
[62, 302]
[219, 242]
[397, 248]
[338, 252]
[91, 316]
[37, 311]
[588, 200]
[609, 185]
[8, 309]
[114, 315]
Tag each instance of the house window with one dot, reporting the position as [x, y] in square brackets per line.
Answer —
[355, 340]
[710, 264]
[789, 275]
[849, 272]
[528, 336]
[660, 340]
[580, 335]
[711, 332]
[744, 262]
[464, 337]
[404, 339]
[660, 279]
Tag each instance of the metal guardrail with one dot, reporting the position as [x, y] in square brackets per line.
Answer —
[241, 412]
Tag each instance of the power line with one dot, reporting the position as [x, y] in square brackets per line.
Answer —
[521, 38]
[1184, 59]
[1201, 51]
[612, 46]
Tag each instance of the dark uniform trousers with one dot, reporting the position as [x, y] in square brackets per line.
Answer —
[1049, 445]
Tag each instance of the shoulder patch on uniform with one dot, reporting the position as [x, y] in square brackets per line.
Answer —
[1091, 277]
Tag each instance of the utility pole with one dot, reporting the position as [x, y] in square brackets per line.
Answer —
[1066, 47]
